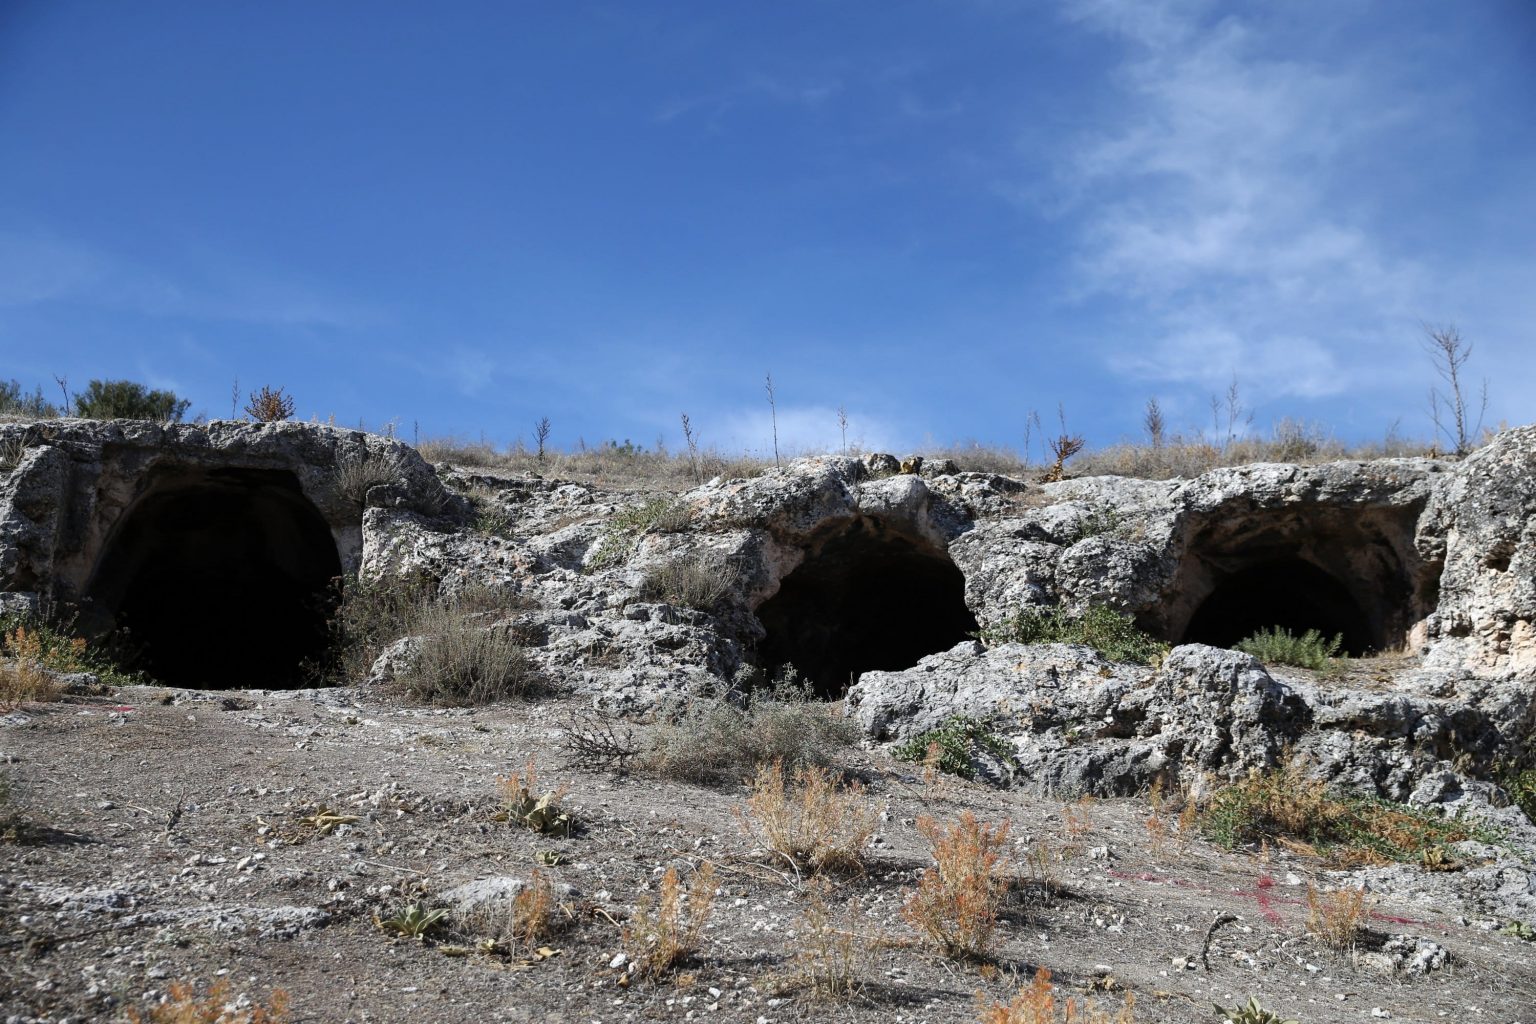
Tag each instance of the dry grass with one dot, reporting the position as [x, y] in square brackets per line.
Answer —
[1334, 915]
[664, 932]
[813, 823]
[830, 953]
[182, 1006]
[28, 677]
[462, 661]
[1038, 1003]
[687, 582]
[956, 901]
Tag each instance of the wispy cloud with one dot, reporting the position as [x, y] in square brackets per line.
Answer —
[811, 428]
[755, 87]
[1221, 205]
[38, 268]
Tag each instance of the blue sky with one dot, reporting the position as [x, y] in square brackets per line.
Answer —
[937, 215]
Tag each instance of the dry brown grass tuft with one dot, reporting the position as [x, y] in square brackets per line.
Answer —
[956, 901]
[814, 823]
[1037, 1003]
[664, 932]
[182, 1006]
[1334, 916]
[27, 677]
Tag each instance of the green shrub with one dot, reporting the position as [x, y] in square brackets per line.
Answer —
[1521, 786]
[1107, 631]
[956, 740]
[16, 402]
[1278, 646]
[129, 400]
[461, 661]
[1285, 804]
[722, 736]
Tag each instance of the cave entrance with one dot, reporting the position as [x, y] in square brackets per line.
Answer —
[867, 596]
[1289, 593]
[221, 579]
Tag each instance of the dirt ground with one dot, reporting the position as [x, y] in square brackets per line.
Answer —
[166, 841]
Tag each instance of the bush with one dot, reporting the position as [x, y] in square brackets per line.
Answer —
[129, 400]
[1278, 646]
[357, 475]
[1107, 631]
[816, 825]
[661, 934]
[1036, 1004]
[721, 736]
[461, 661]
[828, 952]
[951, 748]
[956, 901]
[37, 649]
[1334, 916]
[1286, 806]
[269, 406]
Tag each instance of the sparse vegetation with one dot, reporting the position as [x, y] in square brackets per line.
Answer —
[723, 736]
[687, 581]
[658, 515]
[1333, 916]
[524, 805]
[829, 952]
[18, 403]
[269, 405]
[357, 475]
[1279, 646]
[811, 819]
[34, 650]
[1038, 1003]
[956, 901]
[182, 1005]
[952, 746]
[1112, 634]
[663, 933]
[1286, 806]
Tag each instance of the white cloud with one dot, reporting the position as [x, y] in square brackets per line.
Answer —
[1220, 205]
[802, 430]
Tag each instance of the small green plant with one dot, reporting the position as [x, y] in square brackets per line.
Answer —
[1251, 1013]
[540, 813]
[1520, 784]
[1112, 634]
[955, 740]
[1520, 930]
[658, 515]
[413, 922]
[1101, 520]
[1278, 646]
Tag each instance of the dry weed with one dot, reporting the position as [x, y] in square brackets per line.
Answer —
[1334, 916]
[813, 823]
[27, 677]
[524, 805]
[182, 1006]
[664, 932]
[1037, 1003]
[956, 901]
[829, 952]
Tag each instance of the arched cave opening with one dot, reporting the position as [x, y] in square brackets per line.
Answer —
[221, 579]
[866, 597]
[1289, 593]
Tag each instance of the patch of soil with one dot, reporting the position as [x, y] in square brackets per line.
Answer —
[186, 841]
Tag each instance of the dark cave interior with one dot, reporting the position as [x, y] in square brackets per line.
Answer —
[221, 579]
[866, 597]
[1288, 592]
